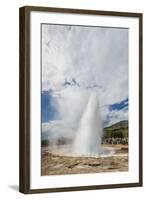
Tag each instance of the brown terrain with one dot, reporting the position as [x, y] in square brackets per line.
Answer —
[55, 164]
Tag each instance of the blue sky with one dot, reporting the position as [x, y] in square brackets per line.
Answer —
[76, 59]
[119, 106]
[48, 110]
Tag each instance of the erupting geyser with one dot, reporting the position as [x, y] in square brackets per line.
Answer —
[88, 136]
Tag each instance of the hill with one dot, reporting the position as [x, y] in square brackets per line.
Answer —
[121, 124]
[117, 130]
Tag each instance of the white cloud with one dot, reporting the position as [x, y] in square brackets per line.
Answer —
[93, 57]
[118, 115]
[114, 116]
[90, 55]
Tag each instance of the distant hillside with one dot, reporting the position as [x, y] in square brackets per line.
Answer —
[121, 124]
[119, 129]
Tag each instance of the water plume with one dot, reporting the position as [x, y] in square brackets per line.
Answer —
[88, 136]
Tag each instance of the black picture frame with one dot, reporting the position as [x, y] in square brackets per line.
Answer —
[24, 142]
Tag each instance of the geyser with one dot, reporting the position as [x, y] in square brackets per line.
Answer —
[88, 136]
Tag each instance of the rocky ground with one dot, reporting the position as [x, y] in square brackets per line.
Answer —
[53, 164]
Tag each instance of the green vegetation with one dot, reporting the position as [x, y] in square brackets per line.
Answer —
[118, 130]
[115, 133]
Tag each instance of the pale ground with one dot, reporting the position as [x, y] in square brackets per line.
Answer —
[55, 164]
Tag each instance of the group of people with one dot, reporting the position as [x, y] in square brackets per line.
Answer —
[113, 140]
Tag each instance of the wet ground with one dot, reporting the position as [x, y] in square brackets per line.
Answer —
[55, 163]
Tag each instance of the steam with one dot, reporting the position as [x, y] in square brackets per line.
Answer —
[71, 103]
[88, 136]
[80, 122]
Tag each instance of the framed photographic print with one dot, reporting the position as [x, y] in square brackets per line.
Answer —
[80, 99]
